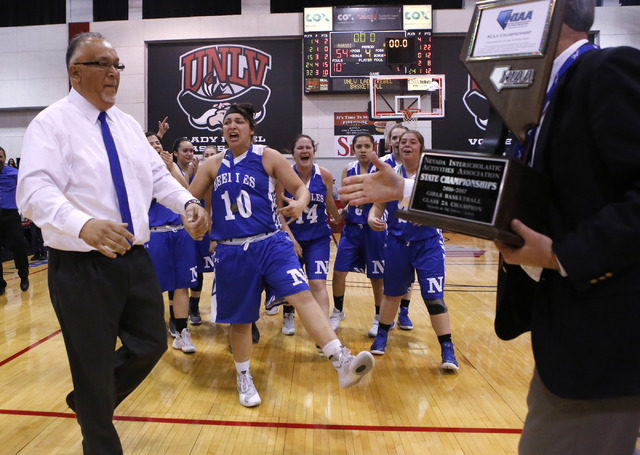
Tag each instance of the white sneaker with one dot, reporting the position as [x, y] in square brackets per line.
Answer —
[247, 391]
[335, 318]
[351, 369]
[288, 326]
[183, 342]
[373, 331]
[273, 310]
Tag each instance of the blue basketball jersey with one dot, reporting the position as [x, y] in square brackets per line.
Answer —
[312, 223]
[403, 229]
[159, 215]
[358, 214]
[390, 160]
[243, 200]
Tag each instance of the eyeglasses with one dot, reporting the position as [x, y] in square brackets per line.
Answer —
[105, 66]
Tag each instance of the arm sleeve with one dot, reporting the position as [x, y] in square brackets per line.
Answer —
[43, 176]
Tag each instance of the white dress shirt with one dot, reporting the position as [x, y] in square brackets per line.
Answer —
[65, 178]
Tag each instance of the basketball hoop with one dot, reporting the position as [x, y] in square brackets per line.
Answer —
[409, 118]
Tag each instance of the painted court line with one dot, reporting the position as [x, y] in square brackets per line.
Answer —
[284, 425]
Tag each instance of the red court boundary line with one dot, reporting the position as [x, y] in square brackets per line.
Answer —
[16, 277]
[28, 348]
[297, 426]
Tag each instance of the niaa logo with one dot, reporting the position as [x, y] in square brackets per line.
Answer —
[507, 16]
[215, 77]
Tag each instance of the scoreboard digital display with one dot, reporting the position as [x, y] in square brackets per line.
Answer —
[342, 46]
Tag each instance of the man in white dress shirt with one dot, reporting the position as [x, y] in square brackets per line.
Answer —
[101, 281]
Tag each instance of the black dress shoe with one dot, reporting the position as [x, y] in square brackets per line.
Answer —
[71, 401]
[24, 284]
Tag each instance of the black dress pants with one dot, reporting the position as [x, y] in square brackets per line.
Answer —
[97, 300]
[12, 235]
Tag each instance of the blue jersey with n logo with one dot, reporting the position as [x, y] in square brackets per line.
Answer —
[403, 229]
[243, 200]
[312, 223]
[358, 214]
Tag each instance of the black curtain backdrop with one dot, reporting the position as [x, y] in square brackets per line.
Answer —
[16, 13]
[194, 82]
[157, 9]
[292, 6]
[113, 10]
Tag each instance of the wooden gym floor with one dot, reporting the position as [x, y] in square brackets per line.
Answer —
[189, 403]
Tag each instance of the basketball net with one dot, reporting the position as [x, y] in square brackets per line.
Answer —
[410, 120]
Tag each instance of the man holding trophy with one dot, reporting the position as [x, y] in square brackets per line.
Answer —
[585, 259]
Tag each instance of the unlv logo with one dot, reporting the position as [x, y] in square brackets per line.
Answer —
[214, 77]
[476, 103]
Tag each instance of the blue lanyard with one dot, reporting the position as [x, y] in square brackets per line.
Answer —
[520, 149]
[565, 66]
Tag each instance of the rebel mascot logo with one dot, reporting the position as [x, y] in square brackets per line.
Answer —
[214, 77]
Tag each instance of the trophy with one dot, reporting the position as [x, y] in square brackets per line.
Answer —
[509, 52]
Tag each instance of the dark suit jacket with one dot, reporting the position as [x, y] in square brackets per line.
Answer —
[586, 327]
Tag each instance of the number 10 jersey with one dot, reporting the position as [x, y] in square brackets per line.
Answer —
[243, 201]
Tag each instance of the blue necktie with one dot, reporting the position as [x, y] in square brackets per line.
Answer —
[116, 172]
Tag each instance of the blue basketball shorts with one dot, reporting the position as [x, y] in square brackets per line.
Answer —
[174, 259]
[403, 260]
[242, 272]
[361, 246]
[315, 257]
[204, 259]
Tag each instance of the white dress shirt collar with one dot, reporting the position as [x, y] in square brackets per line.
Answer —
[85, 107]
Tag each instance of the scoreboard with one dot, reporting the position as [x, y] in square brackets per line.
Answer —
[342, 46]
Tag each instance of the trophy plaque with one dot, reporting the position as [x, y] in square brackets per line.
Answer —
[476, 194]
[509, 52]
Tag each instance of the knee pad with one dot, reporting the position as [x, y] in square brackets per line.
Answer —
[198, 287]
[435, 307]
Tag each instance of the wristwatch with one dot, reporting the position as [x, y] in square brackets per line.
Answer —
[192, 201]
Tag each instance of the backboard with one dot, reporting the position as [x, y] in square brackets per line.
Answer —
[406, 97]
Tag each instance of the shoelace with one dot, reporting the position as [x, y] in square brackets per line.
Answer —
[246, 385]
[343, 356]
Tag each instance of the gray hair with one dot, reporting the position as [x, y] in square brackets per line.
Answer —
[578, 14]
[77, 41]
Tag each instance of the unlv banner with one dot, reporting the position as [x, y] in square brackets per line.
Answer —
[194, 84]
[467, 107]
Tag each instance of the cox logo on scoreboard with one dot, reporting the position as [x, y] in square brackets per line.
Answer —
[417, 17]
[318, 19]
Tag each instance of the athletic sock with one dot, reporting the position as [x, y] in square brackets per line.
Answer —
[242, 367]
[385, 327]
[445, 338]
[405, 303]
[332, 348]
[338, 302]
[181, 324]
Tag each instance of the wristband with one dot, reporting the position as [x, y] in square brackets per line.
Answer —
[192, 201]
